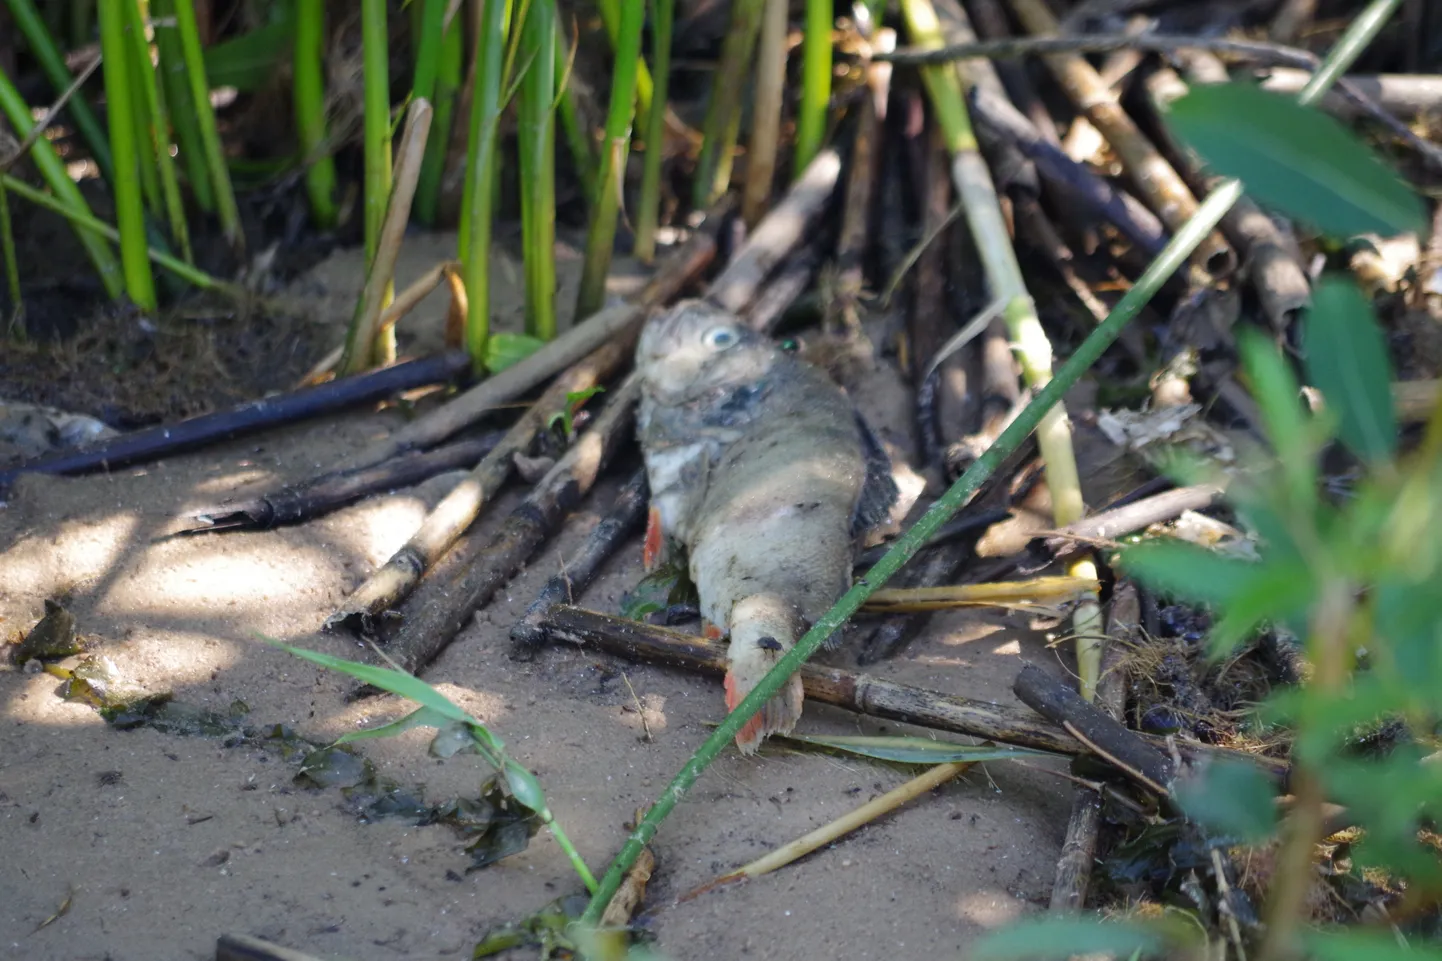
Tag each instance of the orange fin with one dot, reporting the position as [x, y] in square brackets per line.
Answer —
[777, 716]
[710, 631]
[651, 551]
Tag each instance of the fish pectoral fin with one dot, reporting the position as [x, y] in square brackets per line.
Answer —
[749, 662]
[654, 542]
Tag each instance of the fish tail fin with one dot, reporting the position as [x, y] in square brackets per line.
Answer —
[654, 542]
[762, 631]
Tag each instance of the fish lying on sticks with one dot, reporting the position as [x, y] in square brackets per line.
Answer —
[762, 470]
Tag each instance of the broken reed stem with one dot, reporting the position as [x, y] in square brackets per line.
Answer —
[929, 780]
[850, 690]
[1086, 354]
[673, 276]
[1129, 518]
[1002, 593]
[394, 581]
[1256, 51]
[977, 192]
[765, 112]
[430, 629]
[623, 519]
[371, 342]
[1159, 182]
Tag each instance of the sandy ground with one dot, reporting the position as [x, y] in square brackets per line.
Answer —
[163, 843]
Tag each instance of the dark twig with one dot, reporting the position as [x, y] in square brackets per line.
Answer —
[268, 412]
[321, 495]
[862, 693]
[1078, 854]
[448, 520]
[1104, 736]
[429, 629]
[624, 518]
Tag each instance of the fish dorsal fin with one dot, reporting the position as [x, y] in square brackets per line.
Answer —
[879, 492]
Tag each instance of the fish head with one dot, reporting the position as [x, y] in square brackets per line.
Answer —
[695, 349]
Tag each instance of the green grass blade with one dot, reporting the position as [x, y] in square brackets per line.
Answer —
[156, 129]
[181, 108]
[220, 184]
[918, 750]
[129, 202]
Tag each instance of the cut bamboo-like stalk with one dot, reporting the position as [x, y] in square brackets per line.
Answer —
[1159, 183]
[370, 341]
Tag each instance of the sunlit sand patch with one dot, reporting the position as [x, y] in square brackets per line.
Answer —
[79, 553]
[990, 909]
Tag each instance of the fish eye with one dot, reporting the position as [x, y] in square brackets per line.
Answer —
[719, 338]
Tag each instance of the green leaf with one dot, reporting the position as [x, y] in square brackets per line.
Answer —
[524, 787]
[1280, 589]
[1233, 798]
[1188, 572]
[1364, 946]
[504, 350]
[1277, 394]
[917, 750]
[1346, 358]
[420, 717]
[405, 685]
[249, 62]
[1297, 159]
[1063, 938]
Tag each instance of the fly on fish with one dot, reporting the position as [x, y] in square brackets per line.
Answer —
[762, 470]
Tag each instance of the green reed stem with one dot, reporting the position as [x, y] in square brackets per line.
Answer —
[52, 171]
[155, 128]
[536, 137]
[45, 51]
[445, 83]
[601, 238]
[375, 53]
[612, 19]
[87, 223]
[583, 154]
[184, 124]
[225, 206]
[723, 109]
[648, 214]
[815, 81]
[478, 196]
[308, 96]
[127, 186]
[15, 324]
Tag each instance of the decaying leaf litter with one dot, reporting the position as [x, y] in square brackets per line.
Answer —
[1157, 678]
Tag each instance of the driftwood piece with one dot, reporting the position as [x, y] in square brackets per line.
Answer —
[1158, 181]
[1078, 852]
[624, 518]
[779, 233]
[239, 947]
[675, 273]
[448, 520]
[862, 693]
[268, 412]
[1104, 736]
[321, 495]
[1129, 518]
[427, 631]
[1076, 185]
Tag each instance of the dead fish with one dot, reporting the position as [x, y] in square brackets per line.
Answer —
[762, 470]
